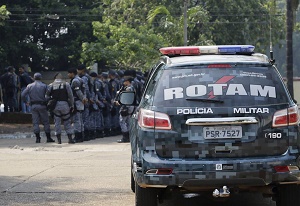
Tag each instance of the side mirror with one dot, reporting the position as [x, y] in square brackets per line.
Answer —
[127, 98]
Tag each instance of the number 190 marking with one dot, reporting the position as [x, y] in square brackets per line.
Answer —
[273, 135]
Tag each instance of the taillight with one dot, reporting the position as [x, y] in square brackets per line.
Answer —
[286, 168]
[155, 120]
[285, 117]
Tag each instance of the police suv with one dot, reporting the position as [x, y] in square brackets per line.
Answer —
[214, 120]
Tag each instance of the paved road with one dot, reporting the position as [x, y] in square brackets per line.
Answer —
[89, 173]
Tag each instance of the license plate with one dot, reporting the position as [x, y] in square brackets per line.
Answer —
[222, 132]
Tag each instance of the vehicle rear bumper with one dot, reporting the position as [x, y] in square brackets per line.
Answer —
[197, 174]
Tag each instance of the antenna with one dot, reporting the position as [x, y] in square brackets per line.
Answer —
[272, 60]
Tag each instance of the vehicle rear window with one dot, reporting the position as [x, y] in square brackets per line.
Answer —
[237, 86]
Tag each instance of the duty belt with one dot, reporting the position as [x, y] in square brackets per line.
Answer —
[38, 102]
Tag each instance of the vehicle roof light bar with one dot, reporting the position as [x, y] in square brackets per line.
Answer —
[200, 50]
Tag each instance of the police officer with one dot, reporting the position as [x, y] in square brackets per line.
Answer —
[25, 79]
[36, 92]
[125, 112]
[61, 91]
[80, 99]
[10, 83]
[81, 70]
[106, 111]
[99, 100]
[114, 87]
[137, 85]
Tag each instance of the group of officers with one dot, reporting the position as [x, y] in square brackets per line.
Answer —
[87, 105]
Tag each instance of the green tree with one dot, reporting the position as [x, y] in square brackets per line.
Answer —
[46, 34]
[124, 40]
[171, 27]
[219, 22]
[291, 7]
[4, 14]
[122, 47]
[209, 22]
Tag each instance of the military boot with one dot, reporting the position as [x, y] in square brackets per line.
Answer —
[125, 138]
[58, 138]
[92, 134]
[113, 132]
[49, 139]
[99, 133]
[86, 135]
[106, 132]
[38, 138]
[78, 137]
[71, 141]
[119, 131]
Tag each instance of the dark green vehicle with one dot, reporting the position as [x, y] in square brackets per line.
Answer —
[214, 120]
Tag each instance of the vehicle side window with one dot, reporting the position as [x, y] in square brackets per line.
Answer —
[151, 85]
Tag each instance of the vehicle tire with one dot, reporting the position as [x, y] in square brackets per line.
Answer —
[145, 196]
[132, 182]
[288, 195]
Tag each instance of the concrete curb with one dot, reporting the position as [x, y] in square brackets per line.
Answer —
[17, 135]
[23, 135]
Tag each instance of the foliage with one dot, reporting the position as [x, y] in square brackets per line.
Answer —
[4, 14]
[122, 30]
[123, 39]
[46, 34]
[128, 33]
[280, 52]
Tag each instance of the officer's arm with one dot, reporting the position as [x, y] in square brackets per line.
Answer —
[102, 90]
[86, 86]
[98, 91]
[108, 96]
[48, 92]
[70, 95]
[77, 89]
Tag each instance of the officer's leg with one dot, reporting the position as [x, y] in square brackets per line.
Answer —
[57, 125]
[92, 124]
[10, 104]
[124, 129]
[81, 128]
[85, 119]
[23, 104]
[77, 129]
[69, 130]
[99, 124]
[35, 123]
[107, 123]
[45, 121]
[66, 117]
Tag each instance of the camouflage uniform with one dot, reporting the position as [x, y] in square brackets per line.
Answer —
[61, 91]
[86, 112]
[78, 90]
[106, 111]
[114, 87]
[100, 99]
[124, 116]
